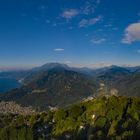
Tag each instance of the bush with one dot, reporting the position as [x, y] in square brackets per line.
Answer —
[60, 115]
[100, 122]
[75, 112]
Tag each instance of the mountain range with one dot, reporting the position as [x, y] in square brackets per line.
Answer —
[55, 84]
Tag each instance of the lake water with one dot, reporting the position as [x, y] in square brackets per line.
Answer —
[7, 84]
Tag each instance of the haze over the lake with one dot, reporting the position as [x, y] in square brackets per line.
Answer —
[77, 32]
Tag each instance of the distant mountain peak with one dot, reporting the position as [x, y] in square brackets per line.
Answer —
[49, 66]
[114, 66]
[54, 64]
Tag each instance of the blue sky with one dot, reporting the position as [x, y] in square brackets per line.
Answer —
[78, 32]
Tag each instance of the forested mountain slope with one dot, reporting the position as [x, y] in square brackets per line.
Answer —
[104, 118]
[53, 88]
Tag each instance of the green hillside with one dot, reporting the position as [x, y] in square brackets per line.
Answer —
[124, 80]
[53, 88]
[103, 118]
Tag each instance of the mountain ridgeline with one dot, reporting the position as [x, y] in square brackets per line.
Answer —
[57, 102]
[55, 87]
[58, 85]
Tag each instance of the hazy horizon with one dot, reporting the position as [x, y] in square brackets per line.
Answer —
[90, 66]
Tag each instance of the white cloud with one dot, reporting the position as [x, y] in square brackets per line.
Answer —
[132, 33]
[89, 22]
[83, 23]
[98, 41]
[95, 20]
[70, 13]
[58, 49]
[90, 6]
